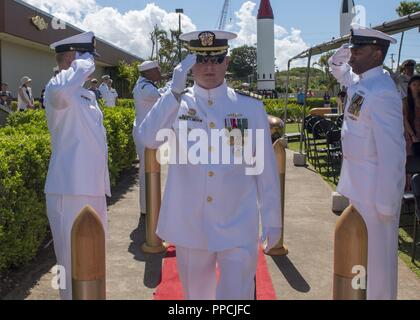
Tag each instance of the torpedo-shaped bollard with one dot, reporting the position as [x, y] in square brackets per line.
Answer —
[88, 256]
[153, 243]
[280, 249]
[350, 256]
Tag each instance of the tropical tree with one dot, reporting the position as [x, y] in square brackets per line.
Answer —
[243, 61]
[408, 7]
[328, 79]
[166, 47]
[128, 74]
[405, 8]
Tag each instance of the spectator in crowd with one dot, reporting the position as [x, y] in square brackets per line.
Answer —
[341, 101]
[413, 113]
[402, 79]
[111, 95]
[103, 88]
[25, 97]
[5, 90]
[94, 88]
[41, 101]
[327, 100]
[310, 94]
[301, 97]
[4, 101]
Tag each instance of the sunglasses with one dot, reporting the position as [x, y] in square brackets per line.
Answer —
[211, 59]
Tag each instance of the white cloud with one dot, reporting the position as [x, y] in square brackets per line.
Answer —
[287, 44]
[130, 30]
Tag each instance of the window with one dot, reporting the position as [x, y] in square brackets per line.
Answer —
[263, 75]
[271, 76]
[346, 6]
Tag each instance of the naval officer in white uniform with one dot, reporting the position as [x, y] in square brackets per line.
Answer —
[211, 210]
[373, 171]
[145, 94]
[78, 170]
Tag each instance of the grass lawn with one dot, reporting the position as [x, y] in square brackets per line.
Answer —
[405, 234]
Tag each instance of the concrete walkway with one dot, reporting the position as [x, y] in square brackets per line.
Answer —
[306, 273]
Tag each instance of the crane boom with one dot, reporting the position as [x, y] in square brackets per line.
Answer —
[223, 16]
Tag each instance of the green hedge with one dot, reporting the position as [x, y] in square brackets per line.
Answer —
[275, 107]
[24, 158]
[312, 102]
[14, 105]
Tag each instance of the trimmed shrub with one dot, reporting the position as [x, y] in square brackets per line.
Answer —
[118, 122]
[14, 105]
[23, 223]
[312, 102]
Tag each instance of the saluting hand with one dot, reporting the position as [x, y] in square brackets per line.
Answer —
[180, 74]
[341, 57]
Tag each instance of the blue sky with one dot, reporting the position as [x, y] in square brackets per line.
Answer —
[317, 21]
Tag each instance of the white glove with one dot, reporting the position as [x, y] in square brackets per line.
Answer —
[272, 235]
[84, 56]
[341, 57]
[179, 78]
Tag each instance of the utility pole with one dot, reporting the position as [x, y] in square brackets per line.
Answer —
[392, 61]
[179, 11]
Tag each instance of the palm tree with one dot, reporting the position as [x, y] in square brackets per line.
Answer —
[328, 77]
[404, 9]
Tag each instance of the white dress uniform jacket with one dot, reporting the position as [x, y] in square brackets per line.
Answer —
[145, 95]
[110, 97]
[374, 154]
[103, 88]
[213, 207]
[79, 159]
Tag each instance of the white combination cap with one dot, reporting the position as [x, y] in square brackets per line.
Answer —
[362, 36]
[84, 42]
[147, 65]
[212, 42]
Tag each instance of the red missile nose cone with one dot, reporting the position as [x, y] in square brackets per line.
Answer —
[265, 11]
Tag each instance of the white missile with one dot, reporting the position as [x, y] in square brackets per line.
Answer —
[347, 15]
[265, 47]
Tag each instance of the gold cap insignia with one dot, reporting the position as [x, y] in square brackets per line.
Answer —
[39, 22]
[207, 38]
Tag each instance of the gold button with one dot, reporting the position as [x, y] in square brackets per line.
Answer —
[211, 149]
[211, 173]
[212, 125]
[210, 103]
[209, 199]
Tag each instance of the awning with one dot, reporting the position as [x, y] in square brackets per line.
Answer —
[393, 27]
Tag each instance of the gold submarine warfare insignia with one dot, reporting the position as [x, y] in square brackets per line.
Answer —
[39, 22]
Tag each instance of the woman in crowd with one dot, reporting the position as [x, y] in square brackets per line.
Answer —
[25, 97]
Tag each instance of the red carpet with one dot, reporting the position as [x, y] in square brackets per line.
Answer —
[171, 289]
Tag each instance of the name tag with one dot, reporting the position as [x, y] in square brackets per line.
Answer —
[190, 118]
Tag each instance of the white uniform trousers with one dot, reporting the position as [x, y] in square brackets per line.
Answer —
[382, 273]
[237, 267]
[142, 180]
[62, 211]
